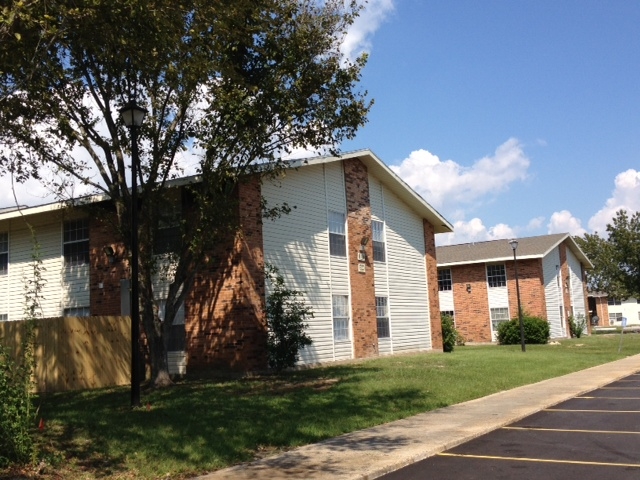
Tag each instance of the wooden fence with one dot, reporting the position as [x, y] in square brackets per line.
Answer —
[76, 353]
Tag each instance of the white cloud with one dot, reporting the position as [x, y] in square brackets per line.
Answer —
[535, 224]
[564, 222]
[626, 196]
[358, 38]
[475, 231]
[447, 183]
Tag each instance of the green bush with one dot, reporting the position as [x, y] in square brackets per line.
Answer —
[16, 410]
[536, 331]
[286, 315]
[450, 336]
[577, 326]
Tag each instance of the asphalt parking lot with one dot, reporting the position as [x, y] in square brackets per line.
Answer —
[592, 436]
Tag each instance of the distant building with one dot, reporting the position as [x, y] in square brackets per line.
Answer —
[476, 283]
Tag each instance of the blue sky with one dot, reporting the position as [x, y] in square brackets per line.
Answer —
[511, 117]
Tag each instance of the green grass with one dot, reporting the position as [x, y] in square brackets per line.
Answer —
[202, 424]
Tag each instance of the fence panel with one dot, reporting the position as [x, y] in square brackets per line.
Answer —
[74, 353]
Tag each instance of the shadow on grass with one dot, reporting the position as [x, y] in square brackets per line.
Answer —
[206, 424]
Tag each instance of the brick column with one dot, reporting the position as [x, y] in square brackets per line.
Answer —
[363, 302]
[224, 317]
[432, 284]
[105, 275]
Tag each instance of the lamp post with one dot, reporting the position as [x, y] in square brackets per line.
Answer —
[514, 247]
[133, 116]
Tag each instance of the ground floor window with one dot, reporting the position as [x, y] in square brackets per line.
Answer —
[615, 317]
[382, 317]
[77, 312]
[498, 316]
[340, 317]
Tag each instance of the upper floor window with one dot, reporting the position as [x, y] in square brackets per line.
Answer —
[444, 279]
[76, 243]
[614, 301]
[4, 253]
[337, 234]
[167, 236]
[496, 276]
[377, 228]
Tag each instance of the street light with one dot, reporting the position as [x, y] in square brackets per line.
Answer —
[133, 116]
[514, 246]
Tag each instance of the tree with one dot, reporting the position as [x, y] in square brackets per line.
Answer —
[243, 82]
[616, 259]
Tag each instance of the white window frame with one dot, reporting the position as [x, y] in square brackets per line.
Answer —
[337, 234]
[615, 317]
[76, 312]
[495, 277]
[382, 317]
[4, 253]
[340, 309]
[444, 282]
[379, 243]
[498, 315]
[72, 231]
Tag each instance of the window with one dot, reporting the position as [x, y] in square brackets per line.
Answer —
[167, 236]
[496, 276]
[382, 317]
[337, 236]
[77, 312]
[76, 243]
[378, 241]
[444, 279]
[4, 317]
[498, 316]
[615, 317]
[340, 317]
[4, 253]
[614, 301]
[447, 313]
[178, 319]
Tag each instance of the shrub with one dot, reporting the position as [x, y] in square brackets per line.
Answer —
[450, 336]
[286, 315]
[577, 326]
[536, 331]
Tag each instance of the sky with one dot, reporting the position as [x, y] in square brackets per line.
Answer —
[512, 118]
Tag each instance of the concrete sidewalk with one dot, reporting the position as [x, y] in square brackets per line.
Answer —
[370, 453]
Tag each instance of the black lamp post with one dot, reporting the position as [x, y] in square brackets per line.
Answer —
[514, 246]
[133, 116]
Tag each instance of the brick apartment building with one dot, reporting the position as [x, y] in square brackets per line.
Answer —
[359, 243]
[476, 283]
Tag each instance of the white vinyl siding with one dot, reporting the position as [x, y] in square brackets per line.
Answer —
[576, 286]
[628, 308]
[380, 270]
[408, 297]
[298, 245]
[553, 293]
[56, 293]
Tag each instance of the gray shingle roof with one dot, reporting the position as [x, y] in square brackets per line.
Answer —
[500, 250]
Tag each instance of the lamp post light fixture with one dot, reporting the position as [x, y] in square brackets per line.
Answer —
[514, 247]
[133, 116]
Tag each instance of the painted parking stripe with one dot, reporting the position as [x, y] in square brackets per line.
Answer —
[539, 460]
[619, 388]
[611, 398]
[570, 430]
[590, 411]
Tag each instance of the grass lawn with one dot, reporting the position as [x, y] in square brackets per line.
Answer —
[204, 424]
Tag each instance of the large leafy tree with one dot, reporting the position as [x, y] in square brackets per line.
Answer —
[241, 81]
[616, 259]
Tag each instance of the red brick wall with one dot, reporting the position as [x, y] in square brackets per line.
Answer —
[602, 310]
[224, 317]
[105, 300]
[472, 316]
[363, 303]
[432, 284]
[531, 280]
